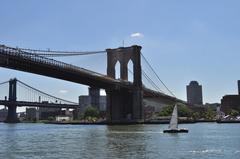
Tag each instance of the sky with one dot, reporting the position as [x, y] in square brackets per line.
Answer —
[183, 40]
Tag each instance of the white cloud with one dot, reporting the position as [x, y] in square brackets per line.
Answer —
[137, 35]
[63, 91]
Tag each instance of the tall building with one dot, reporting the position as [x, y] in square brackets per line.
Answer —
[229, 103]
[93, 99]
[194, 93]
[94, 94]
[85, 101]
[45, 113]
[31, 113]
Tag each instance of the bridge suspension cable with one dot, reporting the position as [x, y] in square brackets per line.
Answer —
[4, 90]
[4, 82]
[54, 53]
[150, 81]
[46, 94]
[157, 75]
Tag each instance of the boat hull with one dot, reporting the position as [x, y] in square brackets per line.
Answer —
[176, 131]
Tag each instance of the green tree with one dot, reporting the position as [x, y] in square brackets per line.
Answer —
[91, 112]
[183, 111]
[166, 111]
[210, 114]
[196, 115]
[234, 112]
[51, 118]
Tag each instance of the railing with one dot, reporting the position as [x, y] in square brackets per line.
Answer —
[41, 59]
[37, 104]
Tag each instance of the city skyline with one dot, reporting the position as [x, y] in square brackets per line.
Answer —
[182, 41]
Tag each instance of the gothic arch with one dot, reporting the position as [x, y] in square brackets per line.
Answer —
[124, 55]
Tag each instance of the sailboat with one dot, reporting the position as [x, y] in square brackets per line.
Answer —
[173, 126]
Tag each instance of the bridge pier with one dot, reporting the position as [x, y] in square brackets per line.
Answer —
[124, 105]
[138, 114]
[12, 107]
[12, 115]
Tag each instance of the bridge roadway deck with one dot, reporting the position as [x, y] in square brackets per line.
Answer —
[148, 93]
[17, 59]
[37, 104]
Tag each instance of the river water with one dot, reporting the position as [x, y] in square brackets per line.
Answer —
[45, 141]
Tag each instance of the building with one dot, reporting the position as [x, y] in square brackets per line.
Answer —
[194, 93]
[94, 94]
[85, 101]
[47, 113]
[3, 114]
[212, 105]
[229, 102]
[31, 114]
[102, 103]
[94, 99]
[61, 118]
[22, 116]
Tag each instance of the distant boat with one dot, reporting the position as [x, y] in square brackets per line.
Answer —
[173, 126]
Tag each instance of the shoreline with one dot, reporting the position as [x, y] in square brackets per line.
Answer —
[128, 123]
[133, 123]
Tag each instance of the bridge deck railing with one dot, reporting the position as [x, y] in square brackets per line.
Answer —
[41, 59]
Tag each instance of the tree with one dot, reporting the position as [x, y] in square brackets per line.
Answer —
[196, 115]
[166, 111]
[210, 114]
[51, 118]
[234, 112]
[91, 112]
[183, 111]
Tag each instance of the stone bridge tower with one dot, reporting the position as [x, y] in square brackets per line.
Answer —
[123, 104]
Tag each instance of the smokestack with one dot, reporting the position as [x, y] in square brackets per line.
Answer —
[238, 87]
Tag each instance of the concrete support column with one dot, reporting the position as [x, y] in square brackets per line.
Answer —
[138, 113]
[119, 106]
[108, 107]
[12, 114]
[113, 108]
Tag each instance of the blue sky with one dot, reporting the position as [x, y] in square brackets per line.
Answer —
[184, 40]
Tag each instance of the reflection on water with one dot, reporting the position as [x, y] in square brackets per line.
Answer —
[207, 140]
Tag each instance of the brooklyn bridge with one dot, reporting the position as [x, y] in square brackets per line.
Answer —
[124, 98]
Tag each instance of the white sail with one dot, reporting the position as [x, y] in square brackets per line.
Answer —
[174, 119]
